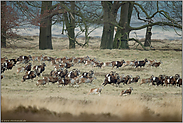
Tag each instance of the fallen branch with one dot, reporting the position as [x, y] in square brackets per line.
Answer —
[136, 40]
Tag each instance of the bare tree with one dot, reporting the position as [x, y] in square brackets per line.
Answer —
[72, 14]
[109, 17]
[124, 27]
[69, 19]
[122, 34]
[173, 9]
[153, 9]
[81, 15]
[45, 27]
[31, 11]
[10, 19]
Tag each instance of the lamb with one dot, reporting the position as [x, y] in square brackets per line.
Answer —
[57, 60]
[150, 62]
[86, 80]
[37, 58]
[20, 69]
[26, 68]
[134, 79]
[59, 66]
[51, 79]
[98, 64]
[108, 64]
[127, 91]
[47, 58]
[24, 59]
[129, 63]
[89, 62]
[41, 82]
[70, 81]
[148, 80]
[76, 61]
[95, 91]
[53, 62]
[3, 59]
[124, 80]
[157, 64]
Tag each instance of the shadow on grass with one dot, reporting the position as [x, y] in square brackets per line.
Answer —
[33, 114]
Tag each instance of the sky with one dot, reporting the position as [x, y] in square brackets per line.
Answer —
[157, 32]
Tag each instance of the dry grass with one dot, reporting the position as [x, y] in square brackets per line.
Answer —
[53, 103]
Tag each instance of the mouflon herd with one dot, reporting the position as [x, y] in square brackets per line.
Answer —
[61, 75]
[65, 62]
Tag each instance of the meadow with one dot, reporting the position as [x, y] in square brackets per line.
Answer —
[27, 102]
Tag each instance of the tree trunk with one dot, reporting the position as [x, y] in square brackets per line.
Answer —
[72, 38]
[3, 24]
[122, 34]
[70, 25]
[86, 35]
[45, 28]
[108, 29]
[107, 37]
[147, 42]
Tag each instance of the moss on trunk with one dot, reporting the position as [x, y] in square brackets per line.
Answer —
[122, 35]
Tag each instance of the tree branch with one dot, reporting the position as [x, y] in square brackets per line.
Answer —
[156, 23]
[142, 9]
[33, 5]
[131, 39]
[138, 14]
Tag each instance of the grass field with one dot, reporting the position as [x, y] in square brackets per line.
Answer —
[27, 102]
